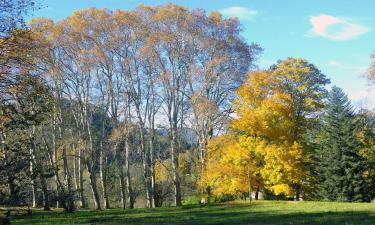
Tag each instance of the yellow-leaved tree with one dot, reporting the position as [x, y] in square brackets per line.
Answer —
[274, 110]
[230, 167]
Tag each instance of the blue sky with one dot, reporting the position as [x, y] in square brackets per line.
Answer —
[335, 35]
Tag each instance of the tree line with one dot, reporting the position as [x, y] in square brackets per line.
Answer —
[293, 139]
[111, 108]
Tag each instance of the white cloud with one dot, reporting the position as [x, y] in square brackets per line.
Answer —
[336, 29]
[241, 13]
[359, 70]
[266, 63]
[364, 99]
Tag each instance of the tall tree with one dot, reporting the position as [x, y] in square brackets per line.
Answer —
[221, 61]
[340, 164]
[279, 106]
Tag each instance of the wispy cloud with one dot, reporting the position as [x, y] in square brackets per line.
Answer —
[358, 70]
[363, 99]
[265, 63]
[336, 29]
[241, 13]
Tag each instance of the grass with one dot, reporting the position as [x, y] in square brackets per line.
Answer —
[260, 212]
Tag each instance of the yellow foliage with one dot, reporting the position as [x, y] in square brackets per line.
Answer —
[228, 166]
[162, 171]
[273, 110]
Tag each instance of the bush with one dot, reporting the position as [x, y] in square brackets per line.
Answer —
[192, 200]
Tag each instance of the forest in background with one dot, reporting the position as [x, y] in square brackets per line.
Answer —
[161, 104]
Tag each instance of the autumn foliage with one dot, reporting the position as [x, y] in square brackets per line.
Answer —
[274, 110]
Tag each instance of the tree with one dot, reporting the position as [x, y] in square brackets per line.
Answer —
[15, 40]
[278, 106]
[365, 120]
[222, 61]
[25, 103]
[135, 67]
[231, 166]
[341, 167]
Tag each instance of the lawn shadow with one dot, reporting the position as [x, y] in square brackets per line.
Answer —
[232, 214]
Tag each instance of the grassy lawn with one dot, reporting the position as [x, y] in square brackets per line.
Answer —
[261, 212]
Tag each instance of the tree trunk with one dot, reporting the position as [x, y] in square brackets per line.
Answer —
[297, 191]
[45, 192]
[105, 187]
[54, 155]
[32, 159]
[102, 167]
[69, 197]
[123, 186]
[9, 175]
[249, 180]
[81, 168]
[152, 172]
[146, 169]
[101, 176]
[130, 193]
[94, 187]
[176, 177]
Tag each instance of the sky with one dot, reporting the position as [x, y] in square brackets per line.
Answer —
[337, 36]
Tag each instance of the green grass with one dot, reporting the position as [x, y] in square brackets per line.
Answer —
[260, 212]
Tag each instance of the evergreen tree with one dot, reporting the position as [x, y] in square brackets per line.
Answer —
[339, 164]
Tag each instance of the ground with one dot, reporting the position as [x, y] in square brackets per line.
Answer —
[234, 213]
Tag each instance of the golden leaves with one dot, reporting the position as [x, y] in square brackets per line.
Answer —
[271, 123]
[228, 165]
[162, 171]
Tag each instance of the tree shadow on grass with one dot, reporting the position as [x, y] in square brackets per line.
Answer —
[219, 214]
[237, 218]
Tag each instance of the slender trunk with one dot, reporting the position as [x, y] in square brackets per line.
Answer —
[130, 194]
[43, 182]
[92, 167]
[54, 155]
[123, 186]
[95, 191]
[152, 172]
[101, 176]
[70, 193]
[249, 180]
[32, 158]
[146, 168]
[105, 187]
[257, 193]
[75, 183]
[297, 190]
[80, 175]
[176, 177]
[102, 166]
[9, 174]
[202, 149]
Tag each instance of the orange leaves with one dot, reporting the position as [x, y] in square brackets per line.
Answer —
[215, 18]
[202, 106]
[172, 13]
